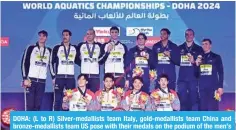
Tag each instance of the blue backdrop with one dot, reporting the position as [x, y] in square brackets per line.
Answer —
[21, 26]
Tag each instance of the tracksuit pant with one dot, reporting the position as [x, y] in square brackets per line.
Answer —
[34, 94]
[207, 100]
[94, 82]
[62, 82]
[188, 95]
[119, 80]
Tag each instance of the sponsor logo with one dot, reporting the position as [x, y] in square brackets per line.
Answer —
[103, 31]
[4, 41]
[100, 39]
[134, 31]
[152, 40]
[127, 41]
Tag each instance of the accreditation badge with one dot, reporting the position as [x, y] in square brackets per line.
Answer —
[163, 59]
[206, 69]
[135, 107]
[185, 61]
[81, 105]
[106, 106]
[141, 62]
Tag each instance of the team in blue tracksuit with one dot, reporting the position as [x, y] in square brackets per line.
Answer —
[137, 57]
[136, 60]
[211, 75]
[187, 81]
[165, 64]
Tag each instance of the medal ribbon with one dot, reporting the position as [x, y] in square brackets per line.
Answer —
[44, 50]
[89, 51]
[67, 52]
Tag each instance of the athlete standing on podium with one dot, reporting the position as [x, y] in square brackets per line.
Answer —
[115, 62]
[34, 72]
[63, 59]
[187, 81]
[91, 54]
[166, 55]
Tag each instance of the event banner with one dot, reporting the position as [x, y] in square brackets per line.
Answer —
[122, 120]
[22, 20]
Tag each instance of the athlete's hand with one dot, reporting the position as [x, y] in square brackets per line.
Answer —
[127, 84]
[109, 48]
[27, 83]
[198, 61]
[134, 75]
[131, 97]
[53, 82]
[86, 100]
[65, 99]
[142, 106]
[167, 53]
[147, 56]
[65, 106]
[191, 59]
[221, 91]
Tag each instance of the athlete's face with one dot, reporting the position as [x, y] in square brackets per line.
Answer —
[108, 83]
[141, 40]
[137, 84]
[42, 38]
[163, 82]
[82, 81]
[114, 34]
[90, 35]
[189, 36]
[206, 46]
[164, 35]
[66, 37]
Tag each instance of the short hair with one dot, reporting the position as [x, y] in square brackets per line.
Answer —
[108, 75]
[142, 34]
[114, 28]
[191, 30]
[91, 29]
[163, 76]
[83, 75]
[45, 33]
[166, 30]
[207, 40]
[66, 30]
[138, 78]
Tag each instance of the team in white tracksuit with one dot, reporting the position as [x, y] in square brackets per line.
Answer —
[63, 60]
[91, 55]
[115, 62]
